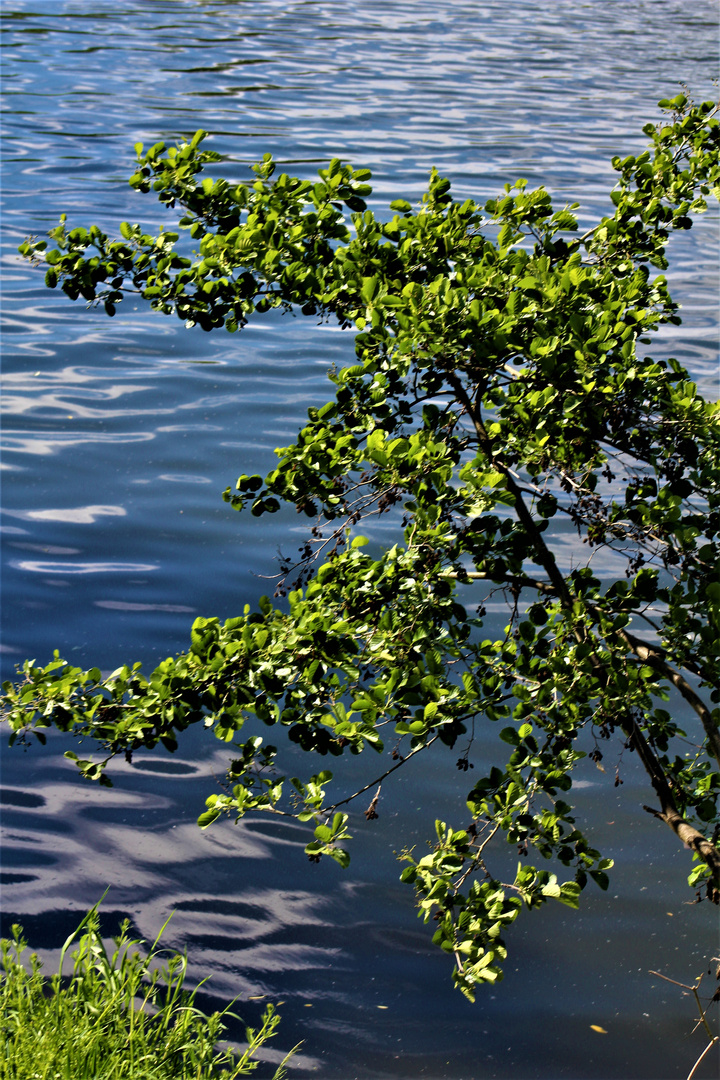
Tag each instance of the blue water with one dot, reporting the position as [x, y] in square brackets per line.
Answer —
[118, 437]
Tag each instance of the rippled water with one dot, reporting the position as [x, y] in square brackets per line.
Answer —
[119, 436]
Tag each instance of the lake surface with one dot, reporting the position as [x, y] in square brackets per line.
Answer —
[118, 437]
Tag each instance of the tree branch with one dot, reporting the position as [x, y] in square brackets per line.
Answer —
[650, 656]
[379, 779]
[700, 1060]
[518, 581]
[669, 813]
[545, 557]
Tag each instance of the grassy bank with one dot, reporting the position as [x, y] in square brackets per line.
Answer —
[116, 1016]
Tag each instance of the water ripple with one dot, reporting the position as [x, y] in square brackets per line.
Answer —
[41, 567]
[163, 419]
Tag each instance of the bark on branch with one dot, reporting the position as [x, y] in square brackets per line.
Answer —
[654, 659]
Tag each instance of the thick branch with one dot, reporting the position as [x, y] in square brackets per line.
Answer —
[517, 581]
[669, 813]
[654, 659]
[545, 557]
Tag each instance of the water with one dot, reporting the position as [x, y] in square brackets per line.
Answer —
[119, 436]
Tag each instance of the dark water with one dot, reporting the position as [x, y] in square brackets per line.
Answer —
[119, 436]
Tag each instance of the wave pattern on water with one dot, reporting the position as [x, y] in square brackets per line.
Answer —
[118, 438]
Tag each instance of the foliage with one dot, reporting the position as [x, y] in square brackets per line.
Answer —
[116, 1016]
[500, 400]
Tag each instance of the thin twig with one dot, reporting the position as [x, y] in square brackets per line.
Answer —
[699, 1061]
[380, 779]
[668, 979]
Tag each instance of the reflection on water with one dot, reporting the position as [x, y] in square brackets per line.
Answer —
[36, 566]
[81, 515]
[118, 437]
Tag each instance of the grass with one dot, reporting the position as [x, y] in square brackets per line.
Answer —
[117, 1016]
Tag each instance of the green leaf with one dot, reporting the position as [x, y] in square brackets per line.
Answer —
[207, 818]
[600, 878]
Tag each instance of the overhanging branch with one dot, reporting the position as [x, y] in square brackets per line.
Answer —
[655, 660]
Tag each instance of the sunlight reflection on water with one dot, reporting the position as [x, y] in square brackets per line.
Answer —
[118, 438]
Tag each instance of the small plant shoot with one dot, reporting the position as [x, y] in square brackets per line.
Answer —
[502, 401]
